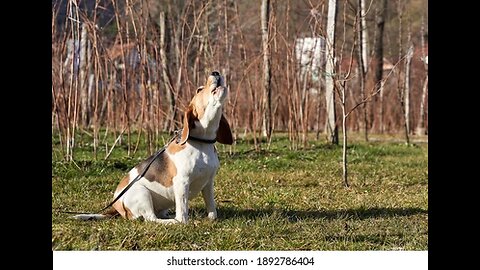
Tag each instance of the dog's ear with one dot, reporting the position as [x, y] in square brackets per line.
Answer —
[188, 123]
[224, 134]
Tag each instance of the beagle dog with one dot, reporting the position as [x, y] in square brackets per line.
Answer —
[186, 167]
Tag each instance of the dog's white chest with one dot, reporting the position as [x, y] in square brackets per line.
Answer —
[196, 165]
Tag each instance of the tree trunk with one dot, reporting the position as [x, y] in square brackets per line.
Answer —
[179, 38]
[267, 92]
[170, 120]
[345, 138]
[378, 55]
[85, 112]
[421, 123]
[362, 61]
[331, 125]
[407, 92]
[400, 85]
[382, 107]
[363, 34]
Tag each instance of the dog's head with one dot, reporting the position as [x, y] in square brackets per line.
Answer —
[203, 117]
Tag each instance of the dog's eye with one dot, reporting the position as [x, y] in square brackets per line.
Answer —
[199, 89]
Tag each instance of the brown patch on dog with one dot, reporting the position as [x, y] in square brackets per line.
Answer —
[123, 183]
[111, 212]
[162, 169]
[123, 210]
[118, 205]
[174, 148]
[198, 104]
[128, 213]
[189, 119]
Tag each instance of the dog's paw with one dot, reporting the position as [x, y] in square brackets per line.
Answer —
[212, 215]
[170, 221]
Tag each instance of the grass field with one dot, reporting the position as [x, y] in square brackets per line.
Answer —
[275, 199]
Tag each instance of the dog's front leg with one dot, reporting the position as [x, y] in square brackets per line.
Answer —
[209, 198]
[181, 189]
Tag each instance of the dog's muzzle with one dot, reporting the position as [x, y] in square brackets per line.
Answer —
[218, 79]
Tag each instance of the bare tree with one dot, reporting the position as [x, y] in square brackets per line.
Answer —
[331, 125]
[342, 88]
[364, 33]
[167, 82]
[73, 84]
[267, 91]
[362, 59]
[421, 123]
[378, 54]
[402, 92]
[406, 93]
[342, 92]
[85, 111]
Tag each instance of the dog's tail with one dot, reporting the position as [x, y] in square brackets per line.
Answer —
[110, 213]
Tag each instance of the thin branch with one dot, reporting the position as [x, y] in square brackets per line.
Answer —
[379, 88]
[115, 143]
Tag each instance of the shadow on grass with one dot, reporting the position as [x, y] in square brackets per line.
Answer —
[293, 215]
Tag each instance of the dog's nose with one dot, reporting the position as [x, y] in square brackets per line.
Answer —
[215, 73]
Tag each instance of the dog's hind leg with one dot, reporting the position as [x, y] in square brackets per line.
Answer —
[139, 202]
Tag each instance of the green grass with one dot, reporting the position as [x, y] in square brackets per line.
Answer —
[275, 199]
